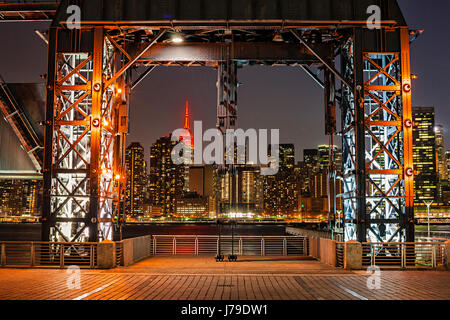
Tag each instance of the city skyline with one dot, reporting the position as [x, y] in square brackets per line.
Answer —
[262, 89]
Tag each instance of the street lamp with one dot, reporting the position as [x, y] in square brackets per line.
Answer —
[428, 204]
[177, 38]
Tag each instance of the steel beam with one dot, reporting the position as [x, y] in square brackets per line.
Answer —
[407, 134]
[47, 217]
[236, 51]
[96, 123]
[227, 96]
[28, 11]
[226, 14]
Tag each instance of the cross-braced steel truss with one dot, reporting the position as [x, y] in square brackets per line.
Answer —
[376, 143]
[84, 176]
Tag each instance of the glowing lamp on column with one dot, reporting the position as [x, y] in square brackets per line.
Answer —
[97, 87]
[408, 123]
[407, 87]
[409, 172]
[96, 122]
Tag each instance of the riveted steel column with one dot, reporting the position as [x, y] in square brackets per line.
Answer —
[407, 135]
[226, 95]
[47, 219]
[96, 118]
[360, 148]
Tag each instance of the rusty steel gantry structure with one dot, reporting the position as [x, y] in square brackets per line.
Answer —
[90, 76]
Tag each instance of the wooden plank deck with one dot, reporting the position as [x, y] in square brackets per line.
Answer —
[201, 278]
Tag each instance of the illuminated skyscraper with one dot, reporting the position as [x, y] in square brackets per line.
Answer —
[169, 181]
[188, 138]
[424, 154]
[166, 178]
[240, 191]
[447, 157]
[324, 155]
[440, 151]
[311, 157]
[136, 179]
[20, 197]
[281, 190]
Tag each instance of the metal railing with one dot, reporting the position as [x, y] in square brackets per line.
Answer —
[47, 254]
[340, 247]
[119, 253]
[243, 245]
[404, 254]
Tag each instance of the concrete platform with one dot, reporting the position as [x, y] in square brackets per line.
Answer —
[201, 278]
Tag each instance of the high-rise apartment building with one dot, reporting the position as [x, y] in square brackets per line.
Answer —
[136, 170]
[281, 190]
[239, 191]
[20, 197]
[324, 155]
[201, 180]
[166, 178]
[169, 181]
[311, 157]
[440, 152]
[424, 154]
[447, 157]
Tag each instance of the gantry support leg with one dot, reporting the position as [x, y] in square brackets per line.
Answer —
[226, 119]
[407, 125]
[47, 218]
[227, 95]
[96, 116]
[81, 130]
[377, 138]
[359, 127]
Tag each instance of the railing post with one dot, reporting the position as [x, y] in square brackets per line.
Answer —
[372, 255]
[240, 246]
[32, 255]
[284, 246]
[403, 252]
[61, 255]
[174, 245]
[3, 255]
[91, 256]
[155, 243]
[433, 256]
[196, 245]
[217, 246]
[263, 251]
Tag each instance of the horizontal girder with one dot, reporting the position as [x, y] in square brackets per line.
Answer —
[238, 51]
[227, 13]
[20, 11]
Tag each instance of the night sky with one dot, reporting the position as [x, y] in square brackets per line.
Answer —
[270, 97]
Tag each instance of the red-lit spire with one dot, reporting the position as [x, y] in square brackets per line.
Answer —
[187, 127]
[186, 117]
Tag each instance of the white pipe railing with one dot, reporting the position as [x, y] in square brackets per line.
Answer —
[243, 245]
[404, 254]
[47, 254]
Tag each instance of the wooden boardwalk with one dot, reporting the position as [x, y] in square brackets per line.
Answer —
[201, 278]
